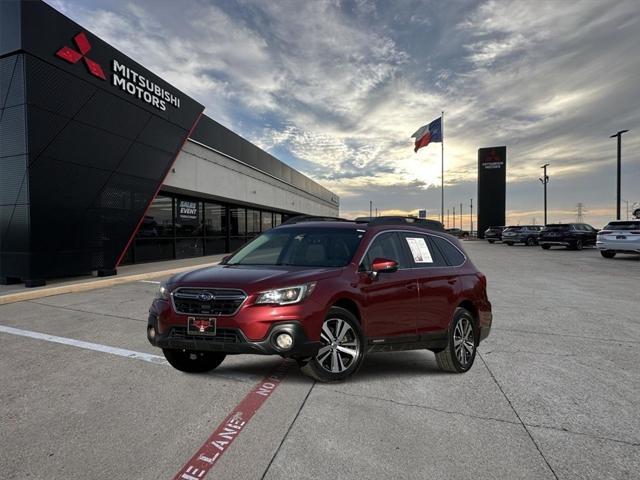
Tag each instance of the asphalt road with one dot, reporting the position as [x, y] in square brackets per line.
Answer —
[553, 394]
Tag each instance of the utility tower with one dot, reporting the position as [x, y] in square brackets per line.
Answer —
[580, 212]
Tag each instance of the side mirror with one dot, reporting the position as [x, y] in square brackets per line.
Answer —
[383, 265]
[225, 259]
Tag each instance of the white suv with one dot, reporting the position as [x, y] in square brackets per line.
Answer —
[619, 236]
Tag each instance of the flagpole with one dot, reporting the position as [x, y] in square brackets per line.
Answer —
[442, 171]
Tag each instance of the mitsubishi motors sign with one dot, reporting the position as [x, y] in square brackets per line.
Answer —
[141, 87]
[123, 77]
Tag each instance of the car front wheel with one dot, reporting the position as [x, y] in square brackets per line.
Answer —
[531, 242]
[491, 241]
[342, 348]
[578, 245]
[190, 361]
[462, 341]
[545, 246]
[607, 254]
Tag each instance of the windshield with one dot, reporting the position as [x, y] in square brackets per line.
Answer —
[630, 225]
[303, 247]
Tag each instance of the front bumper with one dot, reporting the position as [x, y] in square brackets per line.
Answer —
[233, 340]
[543, 241]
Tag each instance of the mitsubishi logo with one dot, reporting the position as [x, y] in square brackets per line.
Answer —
[73, 56]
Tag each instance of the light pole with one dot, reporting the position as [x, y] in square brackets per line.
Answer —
[448, 218]
[545, 180]
[370, 210]
[471, 215]
[454, 217]
[619, 136]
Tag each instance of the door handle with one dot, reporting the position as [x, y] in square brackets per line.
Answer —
[411, 286]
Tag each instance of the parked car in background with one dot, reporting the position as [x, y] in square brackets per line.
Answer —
[620, 236]
[527, 234]
[493, 234]
[575, 236]
[457, 232]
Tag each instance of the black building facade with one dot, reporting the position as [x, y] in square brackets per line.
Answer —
[87, 137]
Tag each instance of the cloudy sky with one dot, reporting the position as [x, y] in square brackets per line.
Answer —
[336, 88]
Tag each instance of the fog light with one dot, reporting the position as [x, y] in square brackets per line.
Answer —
[284, 341]
[151, 333]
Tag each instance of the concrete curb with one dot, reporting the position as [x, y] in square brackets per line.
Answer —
[93, 284]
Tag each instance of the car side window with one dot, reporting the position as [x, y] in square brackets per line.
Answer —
[415, 244]
[386, 245]
[453, 256]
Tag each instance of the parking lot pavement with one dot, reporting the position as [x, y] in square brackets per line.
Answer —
[553, 393]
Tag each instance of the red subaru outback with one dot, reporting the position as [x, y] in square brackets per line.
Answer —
[326, 293]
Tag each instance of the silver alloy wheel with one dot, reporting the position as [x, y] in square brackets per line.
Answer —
[340, 348]
[463, 341]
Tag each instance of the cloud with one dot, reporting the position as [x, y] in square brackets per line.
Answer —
[335, 88]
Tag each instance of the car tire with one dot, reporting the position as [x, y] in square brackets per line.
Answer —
[530, 242]
[191, 361]
[545, 246]
[342, 341]
[577, 245]
[607, 254]
[491, 241]
[509, 243]
[459, 358]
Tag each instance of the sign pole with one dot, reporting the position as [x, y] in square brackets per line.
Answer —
[442, 169]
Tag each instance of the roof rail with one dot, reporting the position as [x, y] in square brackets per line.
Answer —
[398, 220]
[312, 218]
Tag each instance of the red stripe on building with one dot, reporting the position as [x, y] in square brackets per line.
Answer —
[223, 436]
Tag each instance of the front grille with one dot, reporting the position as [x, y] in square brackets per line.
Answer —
[207, 301]
[223, 335]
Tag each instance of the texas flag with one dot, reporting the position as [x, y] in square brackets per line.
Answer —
[427, 134]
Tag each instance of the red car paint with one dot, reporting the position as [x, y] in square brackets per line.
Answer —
[405, 303]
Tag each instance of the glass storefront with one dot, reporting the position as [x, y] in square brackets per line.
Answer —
[184, 227]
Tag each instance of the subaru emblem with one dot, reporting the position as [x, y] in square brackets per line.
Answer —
[205, 297]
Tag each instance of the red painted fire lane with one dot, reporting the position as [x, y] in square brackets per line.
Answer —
[223, 436]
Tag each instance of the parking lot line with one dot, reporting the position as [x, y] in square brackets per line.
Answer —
[223, 436]
[121, 352]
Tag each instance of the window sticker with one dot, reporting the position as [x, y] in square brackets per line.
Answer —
[419, 250]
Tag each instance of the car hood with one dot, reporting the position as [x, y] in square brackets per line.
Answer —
[251, 278]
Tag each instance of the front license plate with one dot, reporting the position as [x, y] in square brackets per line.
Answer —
[201, 326]
[621, 237]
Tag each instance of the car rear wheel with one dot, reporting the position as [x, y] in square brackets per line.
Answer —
[607, 254]
[577, 245]
[491, 241]
[462, 341]
[545, 246]
[190, 361]
[509, 243]
[342, 348]
[531, 242]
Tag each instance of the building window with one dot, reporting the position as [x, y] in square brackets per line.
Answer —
[277, 219]
[253, 223]
[188, 219]
[267, 221]
[158, 221]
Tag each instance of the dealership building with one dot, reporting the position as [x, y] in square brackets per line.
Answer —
[103, 163]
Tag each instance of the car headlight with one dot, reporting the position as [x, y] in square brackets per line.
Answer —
[285, 296]
[163, 292]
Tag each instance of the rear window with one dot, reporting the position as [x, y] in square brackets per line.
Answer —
[453, 256]
[630, 225]
[513, 229]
